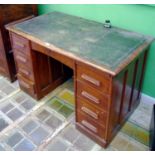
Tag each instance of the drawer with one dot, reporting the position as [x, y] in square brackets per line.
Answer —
[22, 59]
[94, 97]
[90, 125]
[26, 72]
[95, 78]
[96, 114]
[20, 44]
[26, 85]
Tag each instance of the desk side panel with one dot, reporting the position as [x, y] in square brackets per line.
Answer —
[126, 93]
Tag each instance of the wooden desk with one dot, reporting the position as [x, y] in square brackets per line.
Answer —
[11, 13]
[108, 67]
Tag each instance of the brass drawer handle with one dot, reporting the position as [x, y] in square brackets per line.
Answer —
[90, 79]
[89, 126]
[19, 44]
[90, 112]
[25, 84]
[90, 97]
[24, 71]
[21, 59]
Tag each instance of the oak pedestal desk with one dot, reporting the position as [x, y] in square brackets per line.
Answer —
[108, 66]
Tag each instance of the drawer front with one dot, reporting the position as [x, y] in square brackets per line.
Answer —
[96, 114]
[22, 59]
[19, 52]
[90, 125]
[94, 78]
[26, 85]
[93, 96]
[25, 72]
[20, 44]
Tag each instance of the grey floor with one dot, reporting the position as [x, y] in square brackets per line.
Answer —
[49, 124]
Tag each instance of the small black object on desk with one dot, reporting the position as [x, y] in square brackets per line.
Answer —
[107, 24]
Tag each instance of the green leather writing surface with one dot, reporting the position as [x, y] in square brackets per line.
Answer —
[107, 47]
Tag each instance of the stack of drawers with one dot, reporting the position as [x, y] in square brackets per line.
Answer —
[11, 14]
[92, 100]
[23, 60]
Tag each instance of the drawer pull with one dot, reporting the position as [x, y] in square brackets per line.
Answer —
[89, 126]
[24, 71]
[25, 84]
[90, 79]
[90, 97]
[89, 112]
[21, 59]
[19, 44]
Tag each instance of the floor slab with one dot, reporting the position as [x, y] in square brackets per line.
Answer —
[49, 124]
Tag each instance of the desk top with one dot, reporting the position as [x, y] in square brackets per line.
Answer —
[89, 40]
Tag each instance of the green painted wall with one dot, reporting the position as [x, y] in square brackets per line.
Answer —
[139, 18]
